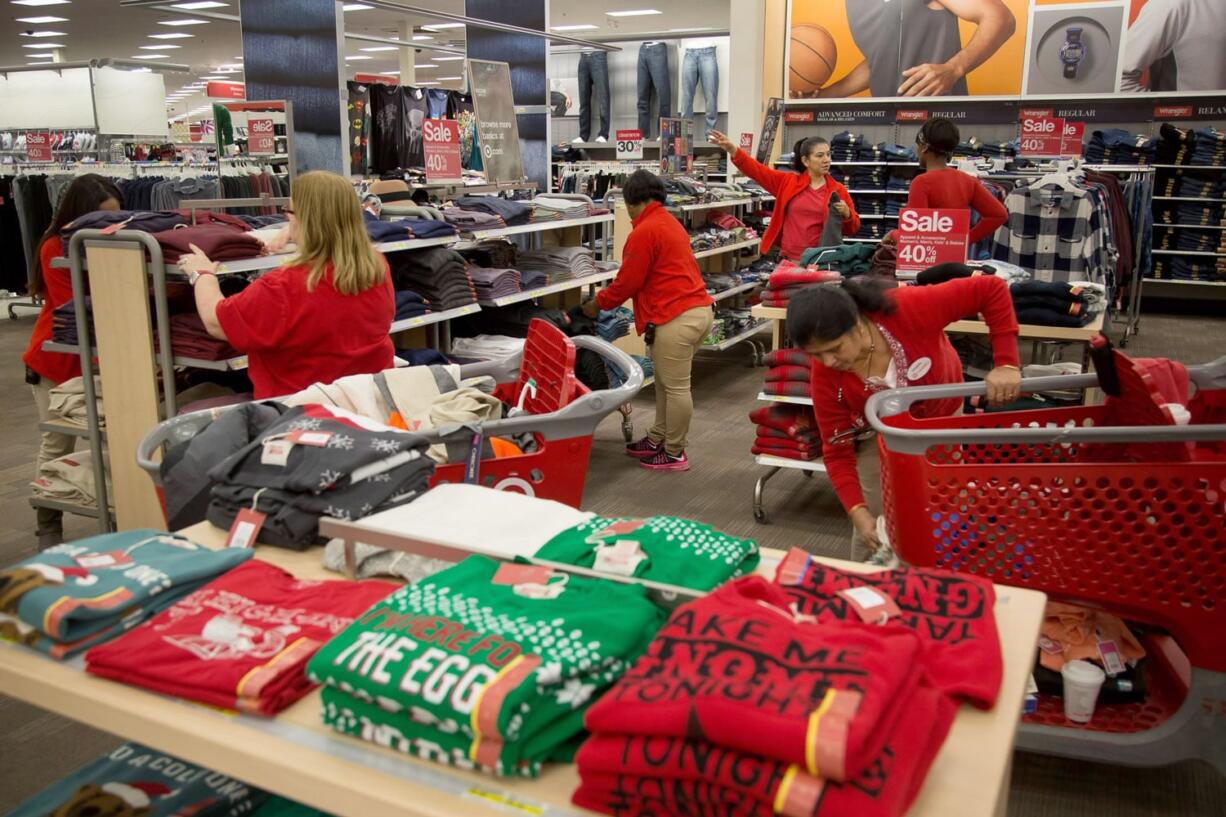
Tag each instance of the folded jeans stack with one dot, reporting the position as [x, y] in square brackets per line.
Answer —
[557, 264]
[438, 274]
[845, 145]
[513, 213]
[1209, 148]
[471, 221]
[1174, 145]
[1054, 303]
[1119, 147]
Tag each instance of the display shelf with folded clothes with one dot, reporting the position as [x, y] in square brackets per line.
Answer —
[438, 274]
[536, 226]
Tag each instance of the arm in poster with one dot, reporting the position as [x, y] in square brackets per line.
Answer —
[857, 80]
[994, 24]
[1151, 37]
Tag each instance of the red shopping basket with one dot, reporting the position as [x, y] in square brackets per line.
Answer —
[1044, 499]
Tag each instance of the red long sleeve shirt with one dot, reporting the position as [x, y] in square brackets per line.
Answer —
[658, 271]
[951, 188]
[57, 290]
[785, 187]
[923, 356]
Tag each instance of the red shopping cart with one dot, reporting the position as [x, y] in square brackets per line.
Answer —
[1091, 504]
[559, 411]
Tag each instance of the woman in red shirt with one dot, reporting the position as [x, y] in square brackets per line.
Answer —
[46, 370]
[865, 338]
[943, 187]
[325, 315]
[672, 311]
[803, 199]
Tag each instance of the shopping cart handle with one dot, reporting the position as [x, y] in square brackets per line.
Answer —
[894, 402]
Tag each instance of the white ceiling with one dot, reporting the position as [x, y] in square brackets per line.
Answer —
[96, 29]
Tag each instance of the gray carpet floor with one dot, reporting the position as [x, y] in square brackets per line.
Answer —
[37, 747]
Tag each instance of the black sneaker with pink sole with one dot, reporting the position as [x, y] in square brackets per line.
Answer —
[664, 461]
[644, 449]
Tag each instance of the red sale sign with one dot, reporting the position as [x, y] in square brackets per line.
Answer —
[1041, 135]
[928, 237]
[38, 147]
[441, 138]
[747, 142]
[261, 137]
[226, 90]
[1070, 143]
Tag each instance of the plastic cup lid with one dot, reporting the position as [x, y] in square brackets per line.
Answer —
[1083, 672]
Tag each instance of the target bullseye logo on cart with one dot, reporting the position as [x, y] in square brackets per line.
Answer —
[927, 237]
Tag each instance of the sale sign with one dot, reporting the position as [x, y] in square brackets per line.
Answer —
[629, 144]
[1041, 135]
[38, 147]
[441, 138]
[226, 90]
[261, 137]
[928, 237]
[1070, 143]
[746, 142]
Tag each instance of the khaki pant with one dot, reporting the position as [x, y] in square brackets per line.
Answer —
[868, 466]
[53, 447]
[672, 357]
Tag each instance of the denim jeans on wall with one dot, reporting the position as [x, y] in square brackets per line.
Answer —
[653, 73]
[699, 64]
[593, 92]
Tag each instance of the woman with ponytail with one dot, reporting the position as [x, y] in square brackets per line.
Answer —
[864, 338]
[804, 198]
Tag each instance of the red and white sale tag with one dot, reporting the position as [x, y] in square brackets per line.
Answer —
[38, 147]
[927, 237]
[629, 144]
[246, 529]
[746, 142]
[441, 138]
[1041, 135]
[1070, 142]
[261, 137]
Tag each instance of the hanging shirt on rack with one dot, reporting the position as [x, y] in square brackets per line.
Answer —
[416, 111]
[1057, 233]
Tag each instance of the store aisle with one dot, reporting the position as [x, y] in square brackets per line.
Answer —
[718, 491]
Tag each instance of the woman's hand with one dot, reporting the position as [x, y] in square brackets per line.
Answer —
[719, 139]
[1004, 385]
[280, 241]
[865, 523]
[591, 309]
[841, 208]
[197, 261]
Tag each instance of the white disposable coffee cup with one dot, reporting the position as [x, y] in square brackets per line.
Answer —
[1082, 681]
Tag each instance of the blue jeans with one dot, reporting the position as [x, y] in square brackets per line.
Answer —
[699, 64]
[593, 90]
[653, 73]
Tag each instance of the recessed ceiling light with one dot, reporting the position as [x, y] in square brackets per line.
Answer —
[355, 59]
[382, 48]
[449, 79]
[577, 27]
[699, 28]
[425, 65]
[151, 57]
[175, 36]
[421, 38]
[446, 59]
[41, 2]
[442, 26]
[42, 20]
[199, 5]
[44, 45]
[43, 34]
[157, 47]
[356, 7]
[184, 21]
[633, 13]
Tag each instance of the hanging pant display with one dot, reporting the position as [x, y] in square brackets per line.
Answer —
[653, 73]
[594, 93]
[700, 65]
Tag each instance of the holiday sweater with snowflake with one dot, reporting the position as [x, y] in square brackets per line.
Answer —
[505, 665]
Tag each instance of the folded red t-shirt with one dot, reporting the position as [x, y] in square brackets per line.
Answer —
[953, 614]
[786, 453]
[799, 374]
[805, 436]
[736, 668]
[241, 641]
[789, 443]
[675, 776]
[788, 419]
[788, 357]
[788, 388]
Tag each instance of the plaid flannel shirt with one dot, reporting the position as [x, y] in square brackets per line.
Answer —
[1057, 234]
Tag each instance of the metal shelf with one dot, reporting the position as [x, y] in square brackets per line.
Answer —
[879, 218]
[1191, 252]
[416, 243]
[882, 192]
[1188, 198]
[1184, 283]
[710, 205]
[230, 365]
[736, 290]
[62, 348]
[728, 248]
[540, 226]
[735, 339]
[1191, 167]
[434, 317]
[771, 461]
[834, 163]
[65, 507]
[563, 286]
[780, 398]
[1158, 224]
[65, 427]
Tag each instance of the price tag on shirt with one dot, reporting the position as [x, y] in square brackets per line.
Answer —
[246, 529]
[870, 604]
[629, 144]
[276, 452]
[512, 573]
[316, 439]
[929, 237]
[621, 558]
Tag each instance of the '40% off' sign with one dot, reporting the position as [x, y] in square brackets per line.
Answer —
[928, 237]
[441, 140]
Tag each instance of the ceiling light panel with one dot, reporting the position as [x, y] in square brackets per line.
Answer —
[633, 13]
[41, 2]
[200, 5]
[446, 59]
[163, 47]
[576, 27]
[178, 35]
[151, 57]
[183, 21]
[43, 34]
[356, 7]
[382, 48]
[42, 21]
[44, 45]
[441, 26]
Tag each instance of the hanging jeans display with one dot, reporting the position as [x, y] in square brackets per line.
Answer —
[699, 64]
[594, 93]
[653, 73]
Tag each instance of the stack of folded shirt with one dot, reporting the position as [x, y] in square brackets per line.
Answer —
[471, 221]
[1054, 303]
[728, 324]
[496, 253]
[189, 338]
[788, 373]
[556, 264]
[663, 549]
[1119, 147]
[64, 323]
[612, 324]
[849, 259]
[438, 274]
[66, 401]
[143, 221]
[346, 467]
[410, 304]
[548, 208]
[787, 431]
[868, 178]
[495, 283]
[240, 642]
[401, 229]
[1174, 145]
[827, 717]
[844, 146]
[788, 277]
[72, 596]
[1209, 149]
[512, 213]
[486, 347]
[219, 241]
[70, 479]
[522, 650]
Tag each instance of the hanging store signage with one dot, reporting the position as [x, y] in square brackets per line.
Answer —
[911, 115]
[441, 139]
[226, 90]
[1042, 133]
[629, 144]
[1070, 142]
[261, 137]
[38, 147]
[746, 142]
[797, 117]
[770, 127]
[497, 126]
[375, 79]
[927, 237]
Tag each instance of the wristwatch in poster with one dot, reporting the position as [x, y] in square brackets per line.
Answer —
[1073, 51]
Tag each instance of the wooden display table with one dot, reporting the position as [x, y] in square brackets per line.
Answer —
[296, 756]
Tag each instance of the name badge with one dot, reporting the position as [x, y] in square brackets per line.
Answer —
[919, 368]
